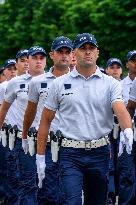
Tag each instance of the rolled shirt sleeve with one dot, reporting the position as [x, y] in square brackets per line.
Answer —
[33, 94]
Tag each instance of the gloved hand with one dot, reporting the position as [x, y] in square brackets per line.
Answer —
[126, 140]
[128, 134]
[121, 143]
[40, 162]
[25, 145]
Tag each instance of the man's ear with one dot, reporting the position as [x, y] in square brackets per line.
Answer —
[127, 65]
[51, 54]
[106, 70]
[98, 51]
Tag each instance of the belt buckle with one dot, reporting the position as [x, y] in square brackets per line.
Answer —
[87, 145]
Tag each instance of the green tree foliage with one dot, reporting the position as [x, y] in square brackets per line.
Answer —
[111, 21]
[37, 22]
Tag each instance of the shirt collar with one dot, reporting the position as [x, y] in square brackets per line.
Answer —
[27, 76]
[74, 73]
[49, 74]
[128, 80]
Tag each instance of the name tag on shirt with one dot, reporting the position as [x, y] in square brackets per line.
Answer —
[43, 85]
[67, 86]
[22, 86]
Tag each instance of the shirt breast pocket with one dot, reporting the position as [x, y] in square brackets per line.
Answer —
[70, 97]
[43, 94]
[22, 95]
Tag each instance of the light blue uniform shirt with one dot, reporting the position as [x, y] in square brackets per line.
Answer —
[11, 114]
[3, 86]
[17, 88]
[38, 91]
[85, 105]
[126, 84]
[132, 95]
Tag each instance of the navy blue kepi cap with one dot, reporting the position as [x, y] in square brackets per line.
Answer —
[9, 62]
[131, 54]
[60, 42]
[84, 38]
[36, 49]
[21, 53]
[111, 61]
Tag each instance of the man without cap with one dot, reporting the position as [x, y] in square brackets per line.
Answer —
[127, 162]
[25, 183]
[38, 90]
[85, 98]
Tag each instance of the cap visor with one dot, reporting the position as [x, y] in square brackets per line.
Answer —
[6, 66]
[134, 55]
[63, 46]
[90, 42]
[38, 52]
[116, 63]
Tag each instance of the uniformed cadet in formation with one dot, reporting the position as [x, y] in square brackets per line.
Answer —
[132, 97]
[12, 165]
[86, 99]
[24, 183]
[114, 68]
[38, 90]
[22, 62]
[127, 162]
[14, 67]
[9, 71]
[2, 76]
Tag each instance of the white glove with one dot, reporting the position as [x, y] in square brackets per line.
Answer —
[25, 145]
[31, 144]
[128, 134]
[40, 162]
[121, 143]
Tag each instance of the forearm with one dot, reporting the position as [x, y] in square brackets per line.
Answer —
[131, 106]
[42, 138]
[47, 117]
[122, 115]
[3, 111]
[125, 120]
[29, 116]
